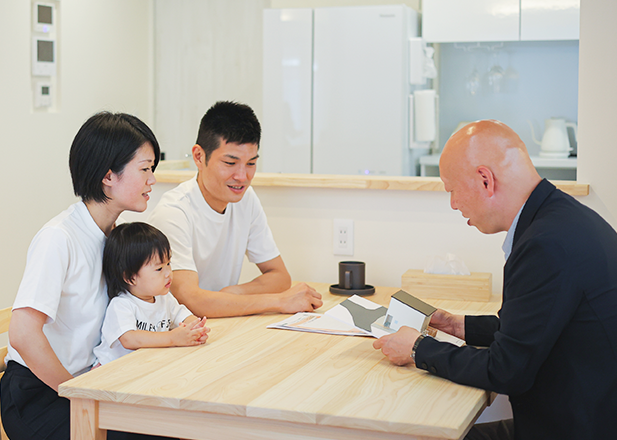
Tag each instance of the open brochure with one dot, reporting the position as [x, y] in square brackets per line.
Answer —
[353, 317]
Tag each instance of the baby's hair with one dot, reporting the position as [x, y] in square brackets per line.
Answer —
[129, 247]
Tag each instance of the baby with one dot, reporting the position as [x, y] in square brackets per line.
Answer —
[142, 312]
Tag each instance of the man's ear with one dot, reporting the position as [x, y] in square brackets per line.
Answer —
[199, 156]
[488, 179]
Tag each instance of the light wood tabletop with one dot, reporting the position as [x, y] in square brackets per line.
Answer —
[250, 382]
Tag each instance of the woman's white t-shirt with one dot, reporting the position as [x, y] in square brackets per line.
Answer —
[64, 280]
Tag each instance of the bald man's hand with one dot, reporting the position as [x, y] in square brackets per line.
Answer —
[397, 346]
[448, 323]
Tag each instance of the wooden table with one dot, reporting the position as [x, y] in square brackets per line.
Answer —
[249, 382]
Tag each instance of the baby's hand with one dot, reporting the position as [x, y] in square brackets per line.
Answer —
[198, 323]
[195, 333]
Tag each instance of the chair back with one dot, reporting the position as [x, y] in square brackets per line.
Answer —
[5, 320]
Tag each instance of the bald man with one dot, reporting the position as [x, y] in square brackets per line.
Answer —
[553, 348]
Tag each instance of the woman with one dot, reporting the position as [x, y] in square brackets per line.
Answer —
[62, 297]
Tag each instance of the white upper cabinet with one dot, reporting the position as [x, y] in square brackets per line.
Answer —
[448, 21]
[550, 19]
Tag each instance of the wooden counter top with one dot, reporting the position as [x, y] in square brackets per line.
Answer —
[353, 181]
[250, 382]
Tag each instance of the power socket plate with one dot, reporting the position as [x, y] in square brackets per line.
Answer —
[343, 237]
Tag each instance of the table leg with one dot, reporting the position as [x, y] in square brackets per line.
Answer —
[85, 420]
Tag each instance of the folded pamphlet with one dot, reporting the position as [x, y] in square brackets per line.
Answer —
[352, 317]
[356, 316]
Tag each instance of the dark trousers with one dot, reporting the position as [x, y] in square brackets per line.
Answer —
[33, 411]
[501, 430]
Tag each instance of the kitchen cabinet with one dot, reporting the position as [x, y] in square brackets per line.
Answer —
[447, 21]
[550, 20]
[450, 21]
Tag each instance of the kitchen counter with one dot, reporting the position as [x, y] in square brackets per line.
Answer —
[541, 163]
[404, 183]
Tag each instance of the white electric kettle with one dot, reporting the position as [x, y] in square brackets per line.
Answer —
[555, 142]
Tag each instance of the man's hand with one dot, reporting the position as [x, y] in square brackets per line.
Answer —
[299, 298]
[448, 323]
[397, 346]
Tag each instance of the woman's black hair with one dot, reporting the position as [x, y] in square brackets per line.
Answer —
[129, 247]
[106, 141]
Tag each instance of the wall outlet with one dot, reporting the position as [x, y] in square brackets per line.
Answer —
[343, 237]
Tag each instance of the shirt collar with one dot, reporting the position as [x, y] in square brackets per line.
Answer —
[507, 243]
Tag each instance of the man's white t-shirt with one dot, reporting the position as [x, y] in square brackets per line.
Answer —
[127, 313]
[210, 243]
[64, 280]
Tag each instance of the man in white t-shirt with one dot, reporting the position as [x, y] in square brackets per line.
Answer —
[212, 221]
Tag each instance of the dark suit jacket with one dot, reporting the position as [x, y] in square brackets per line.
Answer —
[553, 349]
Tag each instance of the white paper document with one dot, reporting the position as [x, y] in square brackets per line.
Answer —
[352, 317]
[318, 323]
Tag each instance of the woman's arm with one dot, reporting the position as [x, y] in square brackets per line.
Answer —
[27, 337]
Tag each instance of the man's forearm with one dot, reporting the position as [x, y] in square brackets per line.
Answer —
[270, 282]
[222, 304]
[201, 302]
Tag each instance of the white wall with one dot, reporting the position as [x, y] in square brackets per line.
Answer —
[205, 51]
[211, 50]
[394, 230]
[398, 230]
[104, 63]
[597, 155]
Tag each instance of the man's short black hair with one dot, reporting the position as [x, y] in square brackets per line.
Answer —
[129, 247]
[229, 122]
[106, 141]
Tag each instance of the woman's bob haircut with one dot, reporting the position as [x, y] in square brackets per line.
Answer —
[107, 141]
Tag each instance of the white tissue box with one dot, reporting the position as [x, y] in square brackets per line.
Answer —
[474, 287]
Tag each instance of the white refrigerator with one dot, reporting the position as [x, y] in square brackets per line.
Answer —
[336, 91]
